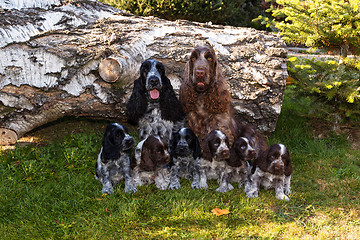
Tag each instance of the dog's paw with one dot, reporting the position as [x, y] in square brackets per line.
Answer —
[195, 184]
[222, 189]
[107, 190]
[282, 197]
[252, 194]
[203, 184]
[174, 186]
[287, 191]
[130, 188]
[230, 187]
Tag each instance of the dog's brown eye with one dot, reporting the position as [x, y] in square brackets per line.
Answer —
[193, 59]
[210, 59]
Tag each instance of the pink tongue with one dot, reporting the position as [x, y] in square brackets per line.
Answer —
[200, 84]
[154, 94]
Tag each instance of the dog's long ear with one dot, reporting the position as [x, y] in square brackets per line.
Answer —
[169, 104]
[197, 148]
[137, 105]
[262, 160]
[206, 153]
[187, 94]
[234, 160]
[110, 151]
[287, 163]
[133, 160]
[146, 161]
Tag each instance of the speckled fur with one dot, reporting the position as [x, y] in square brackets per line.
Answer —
[272, 170]
[113, 164]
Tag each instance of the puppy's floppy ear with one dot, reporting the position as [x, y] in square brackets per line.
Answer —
[146, 161]
[287, 163]
[197, 148]
[206, 153]
[137, 105]
[262, 161]
[133, 161]
[110, 151]
[234, 160]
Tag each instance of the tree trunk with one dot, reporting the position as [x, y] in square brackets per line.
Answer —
[81, 58]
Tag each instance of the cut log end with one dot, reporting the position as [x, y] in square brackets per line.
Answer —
[110, 70]
[7, 136]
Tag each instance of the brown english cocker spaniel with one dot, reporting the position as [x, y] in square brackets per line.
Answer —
[205, 96]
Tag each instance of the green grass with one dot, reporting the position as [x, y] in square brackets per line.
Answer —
[49, 192]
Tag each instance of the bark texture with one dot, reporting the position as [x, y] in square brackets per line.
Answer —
[80, 58]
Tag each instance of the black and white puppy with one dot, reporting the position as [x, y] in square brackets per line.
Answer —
[272, 169]
[113, 163]
[150, 163]
[213, 162]
[185, 155]
[153, 105]
[241, 154]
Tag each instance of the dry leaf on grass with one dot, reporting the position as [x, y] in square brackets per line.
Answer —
[219, 212]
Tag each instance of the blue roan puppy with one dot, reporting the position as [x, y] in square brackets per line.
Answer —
[185, 162]
[113, 163]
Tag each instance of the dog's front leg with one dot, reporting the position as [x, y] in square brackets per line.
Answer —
[287, 188]
[224, 184]
[279, 189]
[129, 187]
[252, 188]
[196, 174]
[105, 179]
[174, 178]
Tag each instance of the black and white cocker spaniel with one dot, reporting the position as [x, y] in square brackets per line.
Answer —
[272, 169]
[153, 105]
[185, 155]
[113, 163]
[150, 163]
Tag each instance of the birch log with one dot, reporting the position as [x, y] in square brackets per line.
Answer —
[80, 58]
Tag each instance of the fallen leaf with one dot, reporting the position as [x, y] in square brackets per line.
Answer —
[219, 212]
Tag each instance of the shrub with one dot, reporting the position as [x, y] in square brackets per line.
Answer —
[335, 86]
[331, 24]
[225, 12]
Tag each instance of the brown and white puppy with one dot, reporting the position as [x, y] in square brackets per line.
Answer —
[246, 148]
[213, 162]
[150, 163]
[272, 169]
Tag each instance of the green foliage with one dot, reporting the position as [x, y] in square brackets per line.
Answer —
[331, 24]
[335, 86]
[226, 12]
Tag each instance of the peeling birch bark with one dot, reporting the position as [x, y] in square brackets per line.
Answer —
[81, 58]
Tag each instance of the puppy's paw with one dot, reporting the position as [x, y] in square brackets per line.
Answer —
[195, 184]
[230, 187]
[252, 194]
[282, 197]
[222, 189]
[107, 190]
[174, 186]
[130, 188]
[203, 184]
[287, 191]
